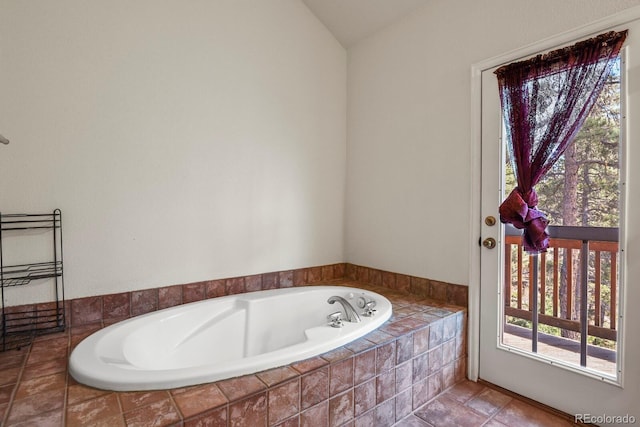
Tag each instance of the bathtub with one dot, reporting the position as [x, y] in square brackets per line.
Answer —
[221, 338]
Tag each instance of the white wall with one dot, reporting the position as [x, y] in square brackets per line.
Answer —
[409, 202]
[409, 126]
[183, 141]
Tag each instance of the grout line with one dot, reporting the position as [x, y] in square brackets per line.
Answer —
[66, 380]
[18, 381]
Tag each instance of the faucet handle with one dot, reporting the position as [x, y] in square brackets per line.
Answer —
[335, 320]
[369, 311]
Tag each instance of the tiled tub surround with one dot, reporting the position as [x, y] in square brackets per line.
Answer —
[375, 380]
[115, 307]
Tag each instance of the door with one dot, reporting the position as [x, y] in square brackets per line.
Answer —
[519, 354]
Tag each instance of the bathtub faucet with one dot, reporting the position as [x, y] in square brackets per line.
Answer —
[349, 311]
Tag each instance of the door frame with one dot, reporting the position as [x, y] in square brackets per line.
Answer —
[621, 18]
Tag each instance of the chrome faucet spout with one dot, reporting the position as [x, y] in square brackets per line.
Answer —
[349, 311]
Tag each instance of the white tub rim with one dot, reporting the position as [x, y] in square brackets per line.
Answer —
[83, 363]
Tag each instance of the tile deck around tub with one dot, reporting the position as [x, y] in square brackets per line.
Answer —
[408, 372]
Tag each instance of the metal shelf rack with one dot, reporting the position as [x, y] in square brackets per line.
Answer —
[22, 323]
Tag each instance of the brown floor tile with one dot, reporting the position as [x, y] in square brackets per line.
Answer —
[12, 358]
[216, 418]
[46, 419]
[53, 345]
[135, 400]
[44, 355]
[32, 406]
[411, 421]
[5, 394]
[488, 401]
[41, 384]
[446, 412]
[521, 414]
[49, 367]
[196, 400]
[493, 423]
[157, 414]
[291, 422]
[464, 390]
[113, 421]
[93, 411]
[9, 376]
[77, 393]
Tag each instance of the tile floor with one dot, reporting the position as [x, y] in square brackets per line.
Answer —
[469, 404]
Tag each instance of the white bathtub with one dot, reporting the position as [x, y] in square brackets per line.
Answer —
[220, 338]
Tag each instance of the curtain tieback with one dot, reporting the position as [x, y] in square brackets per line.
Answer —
[520, 210]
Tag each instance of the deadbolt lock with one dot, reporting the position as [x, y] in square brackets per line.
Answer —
[490, 221]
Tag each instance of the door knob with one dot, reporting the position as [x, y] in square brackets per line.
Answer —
[489, 243]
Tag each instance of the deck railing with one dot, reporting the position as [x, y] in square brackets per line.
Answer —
[576, 280]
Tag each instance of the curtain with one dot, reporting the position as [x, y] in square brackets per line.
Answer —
[545, 100]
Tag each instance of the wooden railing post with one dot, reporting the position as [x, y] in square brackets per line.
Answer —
[584, 302]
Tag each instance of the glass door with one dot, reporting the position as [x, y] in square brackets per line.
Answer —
[550, 324]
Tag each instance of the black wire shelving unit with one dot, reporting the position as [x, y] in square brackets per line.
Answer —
[22, 323]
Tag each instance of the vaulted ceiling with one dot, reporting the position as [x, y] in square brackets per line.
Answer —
[353, 20]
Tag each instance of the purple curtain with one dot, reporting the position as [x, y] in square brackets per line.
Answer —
[545, 100]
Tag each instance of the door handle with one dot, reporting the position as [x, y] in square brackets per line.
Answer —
[489, 243]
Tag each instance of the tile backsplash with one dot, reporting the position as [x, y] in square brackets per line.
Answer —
[115, 307]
